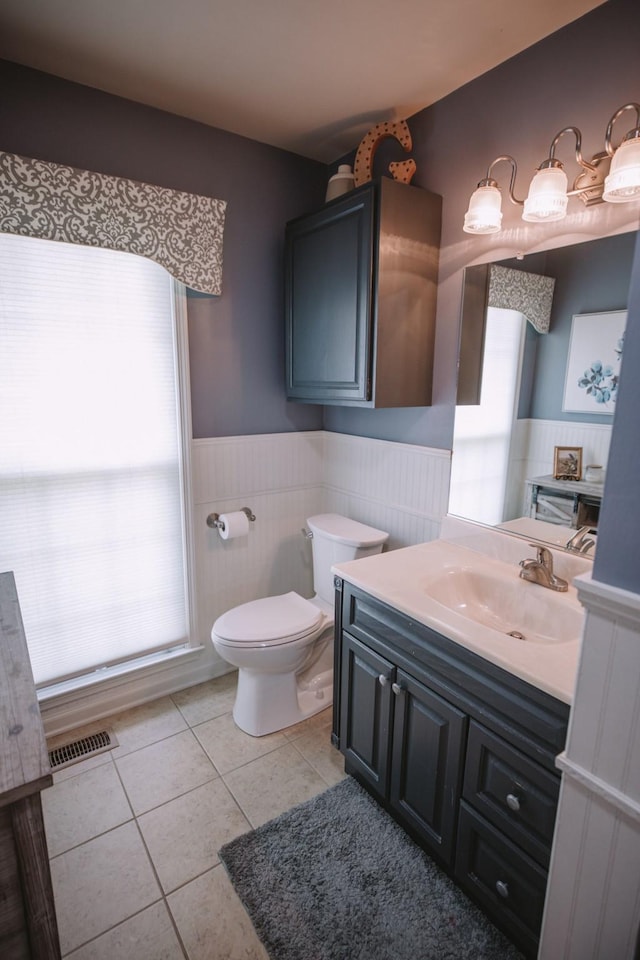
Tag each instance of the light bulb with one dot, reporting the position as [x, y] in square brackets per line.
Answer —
[623, 182]
[484, 214]
[547, 198]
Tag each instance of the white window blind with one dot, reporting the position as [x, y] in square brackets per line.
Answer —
[91, 507]
[482, 433]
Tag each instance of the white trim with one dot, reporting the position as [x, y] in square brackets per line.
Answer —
[184, 414]
[614, 603]
[605, 791]
[105, 697]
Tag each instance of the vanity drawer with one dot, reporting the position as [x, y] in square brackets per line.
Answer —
[507, 883]
[513, 792]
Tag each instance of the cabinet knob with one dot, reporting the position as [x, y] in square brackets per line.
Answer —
[502, 889]
[513, 802]
[382, 680]
[397, 688]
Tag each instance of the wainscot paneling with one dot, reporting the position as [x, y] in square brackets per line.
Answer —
[284, 478]
[594, 912]
[533, 444]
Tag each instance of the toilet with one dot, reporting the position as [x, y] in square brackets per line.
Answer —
[283, 646]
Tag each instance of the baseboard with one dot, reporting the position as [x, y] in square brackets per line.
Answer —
[67, 711]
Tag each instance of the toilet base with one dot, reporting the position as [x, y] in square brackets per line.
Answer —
[266, 703]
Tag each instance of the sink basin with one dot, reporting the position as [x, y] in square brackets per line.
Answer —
[524, 611]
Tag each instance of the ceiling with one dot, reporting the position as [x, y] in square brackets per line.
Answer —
[298, 74]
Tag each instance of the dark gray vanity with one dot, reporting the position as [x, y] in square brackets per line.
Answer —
[459, 751]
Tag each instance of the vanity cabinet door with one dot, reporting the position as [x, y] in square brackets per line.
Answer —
[361, 278]
[508, 884]
[329, 263]
[366, 713]
[428, 742]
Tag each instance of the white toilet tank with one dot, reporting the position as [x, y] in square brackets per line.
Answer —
[337, 539]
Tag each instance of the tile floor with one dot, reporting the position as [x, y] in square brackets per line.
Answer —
[134, 833]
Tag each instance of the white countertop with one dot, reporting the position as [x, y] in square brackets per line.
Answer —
[401, 577]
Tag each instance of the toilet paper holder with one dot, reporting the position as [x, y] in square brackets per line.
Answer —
[214, 521]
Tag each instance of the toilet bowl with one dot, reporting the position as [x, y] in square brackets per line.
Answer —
[283, 645]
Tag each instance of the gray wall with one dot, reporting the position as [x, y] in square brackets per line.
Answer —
[590, 278]
[618, 556]
[517, 108]
[236, 340]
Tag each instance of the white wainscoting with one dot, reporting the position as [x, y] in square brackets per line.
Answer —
[284, 478]
[398, 487]
[592, 908]
[532, 447]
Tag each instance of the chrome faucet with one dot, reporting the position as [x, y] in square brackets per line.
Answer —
[580, 542]
[540, 570]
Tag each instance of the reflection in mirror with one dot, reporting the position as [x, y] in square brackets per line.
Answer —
[511, 412]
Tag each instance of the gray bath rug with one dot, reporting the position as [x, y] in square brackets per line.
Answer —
[337, 879]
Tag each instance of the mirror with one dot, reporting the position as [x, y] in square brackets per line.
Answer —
[512, 410]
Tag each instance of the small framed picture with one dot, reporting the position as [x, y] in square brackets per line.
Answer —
[567, 463]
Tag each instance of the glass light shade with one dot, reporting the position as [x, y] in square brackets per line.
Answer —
[547, 198]
[623, 182]
[484, 214]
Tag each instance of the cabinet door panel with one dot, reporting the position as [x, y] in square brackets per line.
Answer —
[516, 794]
[427, 763]
[329, 269]
[505, 881]
[364, 732]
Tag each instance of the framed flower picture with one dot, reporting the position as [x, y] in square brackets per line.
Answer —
[593, 362]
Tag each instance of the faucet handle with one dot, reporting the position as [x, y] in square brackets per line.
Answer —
[544, 554]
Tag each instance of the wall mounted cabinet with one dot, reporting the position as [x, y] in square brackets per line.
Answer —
[459, 751]
[361, 279]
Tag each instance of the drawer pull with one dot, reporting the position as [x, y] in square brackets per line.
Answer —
[513, 802]
[502, 889]
[382, 680]
[397, 688]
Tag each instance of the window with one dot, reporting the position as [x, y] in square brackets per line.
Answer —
[482, 434]
[91, 464]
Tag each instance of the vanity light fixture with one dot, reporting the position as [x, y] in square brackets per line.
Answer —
[548, 194]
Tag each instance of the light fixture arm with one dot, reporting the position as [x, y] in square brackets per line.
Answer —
[490, 182]
[579, 158]
[631, 134]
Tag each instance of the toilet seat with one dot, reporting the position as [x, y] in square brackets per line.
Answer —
[268, 622]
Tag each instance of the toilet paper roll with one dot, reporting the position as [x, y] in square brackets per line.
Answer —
[235, 525]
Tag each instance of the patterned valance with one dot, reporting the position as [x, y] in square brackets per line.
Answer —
[181, 231]
[529, 293]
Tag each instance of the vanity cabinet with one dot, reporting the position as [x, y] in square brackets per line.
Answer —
[404, 741]
[458, 750]
[360, 292]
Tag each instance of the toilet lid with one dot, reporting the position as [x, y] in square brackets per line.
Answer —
[275, 619]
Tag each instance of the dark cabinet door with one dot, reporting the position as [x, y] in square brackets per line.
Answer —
[366, 713]
[428, 741]
[329, 264]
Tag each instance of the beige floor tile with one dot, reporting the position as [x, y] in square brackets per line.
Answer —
[306, 726]
[212, 922]
[82, 807]
[229, 747]
[146, 724]
[272, 784]
[316, 747]
[100, 884]
[207, 700]
[183, 837]
[148, 936]
[164, 770]
[97, 760]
